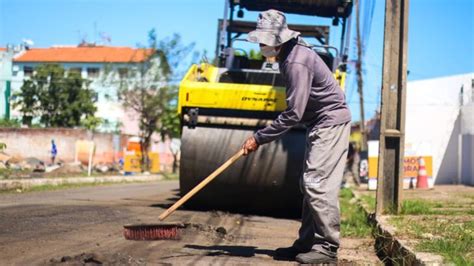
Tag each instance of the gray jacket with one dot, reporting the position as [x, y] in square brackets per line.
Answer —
[313, 96]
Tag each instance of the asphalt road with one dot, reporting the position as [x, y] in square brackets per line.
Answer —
[84, 225]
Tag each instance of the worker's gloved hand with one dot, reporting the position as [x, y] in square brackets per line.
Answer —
[250, 145]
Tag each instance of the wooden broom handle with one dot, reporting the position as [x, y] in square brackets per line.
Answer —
[203, 183]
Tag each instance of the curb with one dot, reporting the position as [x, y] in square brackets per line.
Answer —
[395, 251]
[28, 183]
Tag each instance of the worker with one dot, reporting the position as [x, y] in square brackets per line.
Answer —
[315, 100]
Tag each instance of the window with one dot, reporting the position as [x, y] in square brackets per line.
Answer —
[92, 72]
[27, 71]
[75, 70]
[123, 72]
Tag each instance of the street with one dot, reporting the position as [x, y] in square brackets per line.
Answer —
[74, 226]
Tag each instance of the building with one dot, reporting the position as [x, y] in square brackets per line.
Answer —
[6, 56]
[440, 126]
[440, 122]
[104, 66]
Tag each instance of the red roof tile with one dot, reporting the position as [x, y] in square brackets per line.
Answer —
[95, 54]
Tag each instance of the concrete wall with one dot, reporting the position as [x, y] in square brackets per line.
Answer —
[30, 142]
[467, 144]
[433, 122]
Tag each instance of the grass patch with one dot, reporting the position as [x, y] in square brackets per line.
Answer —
[170, 176]
[369, 201]
[452, 237]
[10, 173]
[41, 188]
[353, 218]
[416, 207]
[424, 207]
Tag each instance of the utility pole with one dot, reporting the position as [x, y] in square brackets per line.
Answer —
[360, 81]
[392, 124]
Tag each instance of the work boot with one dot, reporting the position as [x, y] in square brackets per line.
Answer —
[288, 253]
[315, 257]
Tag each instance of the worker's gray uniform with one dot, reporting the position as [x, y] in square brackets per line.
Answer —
[315, 99]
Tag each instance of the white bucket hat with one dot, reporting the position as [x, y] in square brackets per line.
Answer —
[271, 29]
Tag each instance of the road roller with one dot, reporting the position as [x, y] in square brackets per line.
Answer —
[222, 104]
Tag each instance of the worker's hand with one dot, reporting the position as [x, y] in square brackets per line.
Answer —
[250, 145]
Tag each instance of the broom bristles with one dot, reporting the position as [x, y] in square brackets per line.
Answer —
[152, 232]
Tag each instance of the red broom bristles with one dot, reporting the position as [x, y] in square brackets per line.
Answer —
[151, 232]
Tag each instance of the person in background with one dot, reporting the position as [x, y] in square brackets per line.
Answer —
[349, 165]
[54, 151]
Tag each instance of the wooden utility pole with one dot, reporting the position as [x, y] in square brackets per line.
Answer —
[360, 81]
[392, 124]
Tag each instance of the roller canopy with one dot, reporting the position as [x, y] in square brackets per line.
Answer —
[322, 8]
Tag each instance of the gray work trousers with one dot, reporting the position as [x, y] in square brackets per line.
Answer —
[325, 159]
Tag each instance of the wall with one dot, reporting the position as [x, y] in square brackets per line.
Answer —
[30, 142]
[467, 144]
[433, 121]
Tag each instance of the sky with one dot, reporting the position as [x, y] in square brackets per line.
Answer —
[440, 39]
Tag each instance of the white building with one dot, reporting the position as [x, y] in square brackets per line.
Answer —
[439, 127]
[440, 123]
[93, 62]
[6, 56]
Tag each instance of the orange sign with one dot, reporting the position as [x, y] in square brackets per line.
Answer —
[132, 162]
[410, 166]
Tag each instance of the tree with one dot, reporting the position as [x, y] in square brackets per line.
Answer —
[257, 55]
[148, 90]
[58, 98]
[3, 146]
[170, 125]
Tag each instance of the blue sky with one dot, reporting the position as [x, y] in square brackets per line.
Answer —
[441, 32]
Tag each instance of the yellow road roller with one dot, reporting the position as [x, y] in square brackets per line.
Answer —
[221, 105]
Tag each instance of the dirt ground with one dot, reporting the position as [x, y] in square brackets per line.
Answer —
[84, 226]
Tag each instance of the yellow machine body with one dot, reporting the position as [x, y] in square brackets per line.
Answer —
[200, 88]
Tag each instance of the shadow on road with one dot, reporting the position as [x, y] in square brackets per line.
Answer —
[169, 203]
[236, 251]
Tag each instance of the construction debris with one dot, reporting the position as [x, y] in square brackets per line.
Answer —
[32, 163]
[4, 157]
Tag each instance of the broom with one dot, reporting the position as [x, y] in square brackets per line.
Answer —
[171, 231]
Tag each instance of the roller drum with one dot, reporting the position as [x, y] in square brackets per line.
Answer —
[265, 182]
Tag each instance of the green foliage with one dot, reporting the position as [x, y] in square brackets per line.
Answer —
[3, 146]
[150, 93]
[353, 219]
[252, 54]
[10, 123]
[58, 98]
[169, 124]
[257, 55]
[92, 122]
